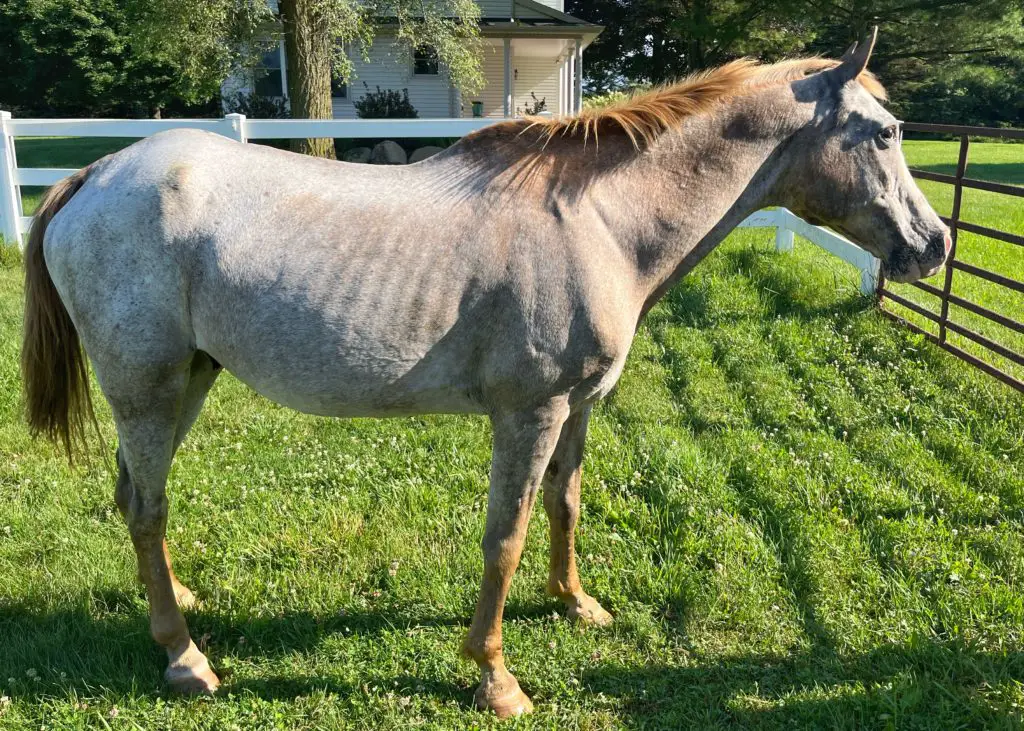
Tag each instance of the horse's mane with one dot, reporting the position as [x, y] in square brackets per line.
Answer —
[645, 115]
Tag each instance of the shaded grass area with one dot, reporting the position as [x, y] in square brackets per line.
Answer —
[800, 515]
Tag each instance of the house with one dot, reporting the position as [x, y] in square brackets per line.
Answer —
[533, 52]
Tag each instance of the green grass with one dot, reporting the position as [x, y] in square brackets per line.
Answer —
[800, 514]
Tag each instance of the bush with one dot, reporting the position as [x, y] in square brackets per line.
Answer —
[538, 106]
[256, 106]
[385, 104]
[597, 101]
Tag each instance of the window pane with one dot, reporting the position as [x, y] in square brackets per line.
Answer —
[271, 59]
[424, 63]
[268, 83]
[339, 89]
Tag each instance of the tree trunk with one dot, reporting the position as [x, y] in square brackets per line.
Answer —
[307, 49]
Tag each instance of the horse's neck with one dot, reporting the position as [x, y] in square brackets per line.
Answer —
[684, 195]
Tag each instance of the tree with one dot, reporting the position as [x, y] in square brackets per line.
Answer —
[208, 37]
[76, 57]
[943, 60]
[654, 41]
[956, 61]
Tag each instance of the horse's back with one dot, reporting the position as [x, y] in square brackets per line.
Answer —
[332, 288]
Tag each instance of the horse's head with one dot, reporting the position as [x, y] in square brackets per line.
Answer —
[851, 175]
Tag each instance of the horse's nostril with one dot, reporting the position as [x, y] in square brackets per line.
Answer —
[948, 241]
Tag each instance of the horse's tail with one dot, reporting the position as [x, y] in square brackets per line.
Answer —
[53, 364]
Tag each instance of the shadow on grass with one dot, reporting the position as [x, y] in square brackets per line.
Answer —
[923, 685]
[102, 642]
[939, 685]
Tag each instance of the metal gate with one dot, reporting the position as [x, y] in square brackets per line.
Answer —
[957, 267]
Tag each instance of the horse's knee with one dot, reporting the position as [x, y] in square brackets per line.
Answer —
[147, 518]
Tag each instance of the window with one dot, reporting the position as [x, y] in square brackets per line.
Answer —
[424, 62]
[339, 89]
[267, 77]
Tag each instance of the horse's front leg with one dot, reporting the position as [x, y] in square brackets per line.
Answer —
[562, 504]
[523, 444]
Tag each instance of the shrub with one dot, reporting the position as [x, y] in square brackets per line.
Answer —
[256, 106]
[538, 106]
[385, 104]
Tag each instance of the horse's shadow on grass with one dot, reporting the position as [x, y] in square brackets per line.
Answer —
[112, 652]
[101, 641]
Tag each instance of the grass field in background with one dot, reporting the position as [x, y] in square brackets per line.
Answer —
[801, 516]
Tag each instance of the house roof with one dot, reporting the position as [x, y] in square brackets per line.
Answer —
[531, 18]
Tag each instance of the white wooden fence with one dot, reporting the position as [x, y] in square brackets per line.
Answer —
[13, 224]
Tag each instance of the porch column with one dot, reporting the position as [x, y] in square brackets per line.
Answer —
[578, 81]
[508, 77]
[570, 80]
[563, 84]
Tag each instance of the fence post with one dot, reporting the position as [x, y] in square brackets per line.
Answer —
[10, 197]
[235, 124]
[783, 234]
[870, 278]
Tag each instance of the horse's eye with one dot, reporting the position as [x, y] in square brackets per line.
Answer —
[888, 134]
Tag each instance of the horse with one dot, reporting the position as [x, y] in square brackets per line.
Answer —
[505, 276]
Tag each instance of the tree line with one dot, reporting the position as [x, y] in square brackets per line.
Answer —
[956, 61]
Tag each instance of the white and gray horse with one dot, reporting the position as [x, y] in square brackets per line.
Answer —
[506, 276]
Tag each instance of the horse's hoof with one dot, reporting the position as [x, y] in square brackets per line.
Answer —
[192, 682]
[190, 673]
[586, 610]
[503, 696]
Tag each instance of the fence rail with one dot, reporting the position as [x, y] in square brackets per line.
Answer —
[945, 296]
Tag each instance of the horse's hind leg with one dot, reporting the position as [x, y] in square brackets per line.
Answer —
[562, 504]
[148, 405]
[202, 373]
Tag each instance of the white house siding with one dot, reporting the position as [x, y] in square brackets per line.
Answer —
[390, 69]
[493, 92]
[538, 74]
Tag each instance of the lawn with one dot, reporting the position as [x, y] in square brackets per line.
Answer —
[801, 516]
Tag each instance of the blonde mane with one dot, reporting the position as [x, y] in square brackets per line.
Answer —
[645, 115]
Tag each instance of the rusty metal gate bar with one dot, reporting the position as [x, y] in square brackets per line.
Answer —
[945, 295]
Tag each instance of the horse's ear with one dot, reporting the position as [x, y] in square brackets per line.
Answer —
[855, 61]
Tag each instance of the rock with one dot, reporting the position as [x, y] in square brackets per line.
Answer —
[422, 153]
[388, 152]
[357, 154]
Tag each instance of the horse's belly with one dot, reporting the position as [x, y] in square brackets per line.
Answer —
[342, 399]
[314, 370]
